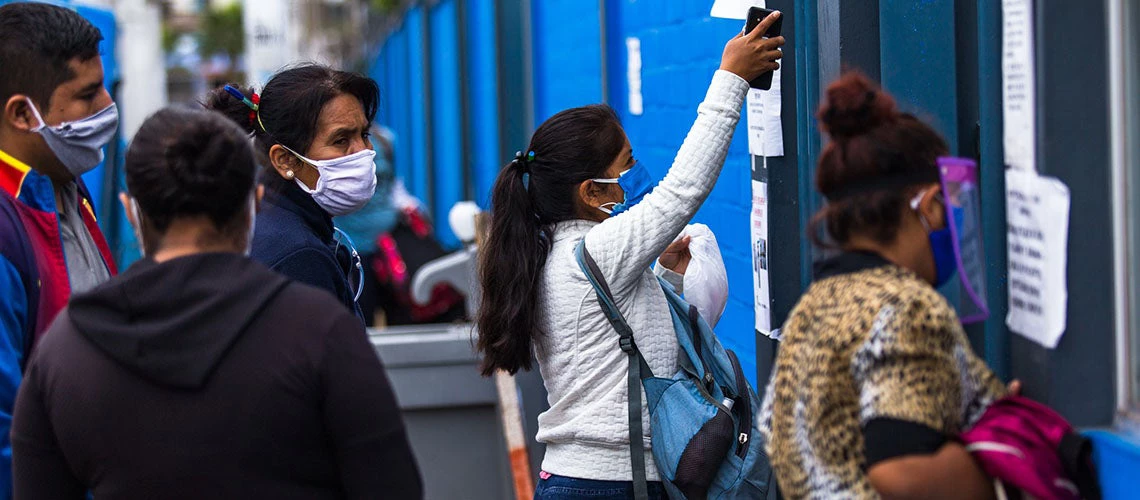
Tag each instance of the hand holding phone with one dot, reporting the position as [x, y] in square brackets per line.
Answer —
[755, 16]
[752, 56]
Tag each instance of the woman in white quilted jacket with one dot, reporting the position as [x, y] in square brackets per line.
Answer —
[579, 180]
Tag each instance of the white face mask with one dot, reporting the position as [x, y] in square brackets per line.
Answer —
[249, 233]
[79, 144]
[345, 184]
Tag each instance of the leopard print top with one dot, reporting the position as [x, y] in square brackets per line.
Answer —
[875, 342]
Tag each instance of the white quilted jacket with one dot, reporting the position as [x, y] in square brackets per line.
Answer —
[586, 429]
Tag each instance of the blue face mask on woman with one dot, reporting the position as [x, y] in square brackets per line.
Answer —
[635, 183]
[941, 244]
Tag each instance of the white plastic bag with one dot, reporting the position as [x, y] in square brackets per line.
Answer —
[706, 280]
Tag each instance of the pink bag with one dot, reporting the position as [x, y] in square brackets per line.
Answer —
[1029, 446]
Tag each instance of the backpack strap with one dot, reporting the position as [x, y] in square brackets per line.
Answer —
[638, 368]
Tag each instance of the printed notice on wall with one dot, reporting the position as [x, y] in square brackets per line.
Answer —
[765, 131]
[761, 287]
[1038, 216]
[755, 110]
[1018, 85]
[734, 9]
[773, 130]
[633, 75]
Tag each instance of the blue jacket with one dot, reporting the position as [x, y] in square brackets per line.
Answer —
[34, 285]
[294, 236]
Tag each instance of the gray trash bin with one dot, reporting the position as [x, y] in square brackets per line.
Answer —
[451, 411]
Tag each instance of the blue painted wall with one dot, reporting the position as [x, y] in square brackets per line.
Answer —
[416, 171]
[481, 80]
[566, 40]
[1117, 459]
[402, 105]
[446, 123]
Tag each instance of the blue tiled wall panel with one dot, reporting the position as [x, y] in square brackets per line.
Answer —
[401, 79]
[1117, 457]
[446, 117]
[566, 39]
[417, 175]
[483, 118]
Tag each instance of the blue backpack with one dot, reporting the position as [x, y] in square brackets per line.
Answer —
[705, 440]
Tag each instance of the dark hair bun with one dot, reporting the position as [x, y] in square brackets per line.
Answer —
[199, 157]
[189, 162]
[221, 101]
[855, 106]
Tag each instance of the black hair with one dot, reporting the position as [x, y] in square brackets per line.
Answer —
[868, 171]
[37, 41]
[190, 162]
[290, 107]
[571, 147]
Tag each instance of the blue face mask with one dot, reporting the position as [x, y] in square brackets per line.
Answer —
[942, 246]
[635, 183]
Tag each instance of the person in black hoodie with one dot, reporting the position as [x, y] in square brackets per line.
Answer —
[199, 373]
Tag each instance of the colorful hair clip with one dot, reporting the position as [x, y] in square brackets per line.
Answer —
[241, 97]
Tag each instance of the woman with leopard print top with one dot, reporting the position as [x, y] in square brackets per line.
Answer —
[875, 377]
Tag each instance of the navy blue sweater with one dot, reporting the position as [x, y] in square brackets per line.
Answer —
[294, 236]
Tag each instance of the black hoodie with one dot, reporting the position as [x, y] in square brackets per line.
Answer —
[208, 376]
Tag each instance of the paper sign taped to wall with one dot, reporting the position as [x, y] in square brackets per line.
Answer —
[1037, 211]
[734, 9]
[755, 109]
[761, 287]
[633, 75]
[765, 130]
[773, 130]
[1018, 89]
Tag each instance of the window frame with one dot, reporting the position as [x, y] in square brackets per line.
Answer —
[1124, 80]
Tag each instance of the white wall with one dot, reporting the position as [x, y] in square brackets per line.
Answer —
[142, 72]
[141, 62]
[271, 37]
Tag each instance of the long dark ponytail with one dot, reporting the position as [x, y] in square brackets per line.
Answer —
[532, 193]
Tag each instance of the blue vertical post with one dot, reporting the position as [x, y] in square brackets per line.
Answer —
[446, 116]
[402, 123]
[992, 181]
[918, 60]
[418, 105]
[482, 97]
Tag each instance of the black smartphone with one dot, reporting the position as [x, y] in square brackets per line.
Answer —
[755, 15]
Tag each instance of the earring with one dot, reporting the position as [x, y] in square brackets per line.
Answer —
[289, 174]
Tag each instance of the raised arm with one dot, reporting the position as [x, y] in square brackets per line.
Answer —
[625, 245]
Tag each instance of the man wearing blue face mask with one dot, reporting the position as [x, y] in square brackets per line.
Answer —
[57, 116]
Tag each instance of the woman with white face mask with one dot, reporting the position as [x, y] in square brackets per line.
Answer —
[312, 124]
